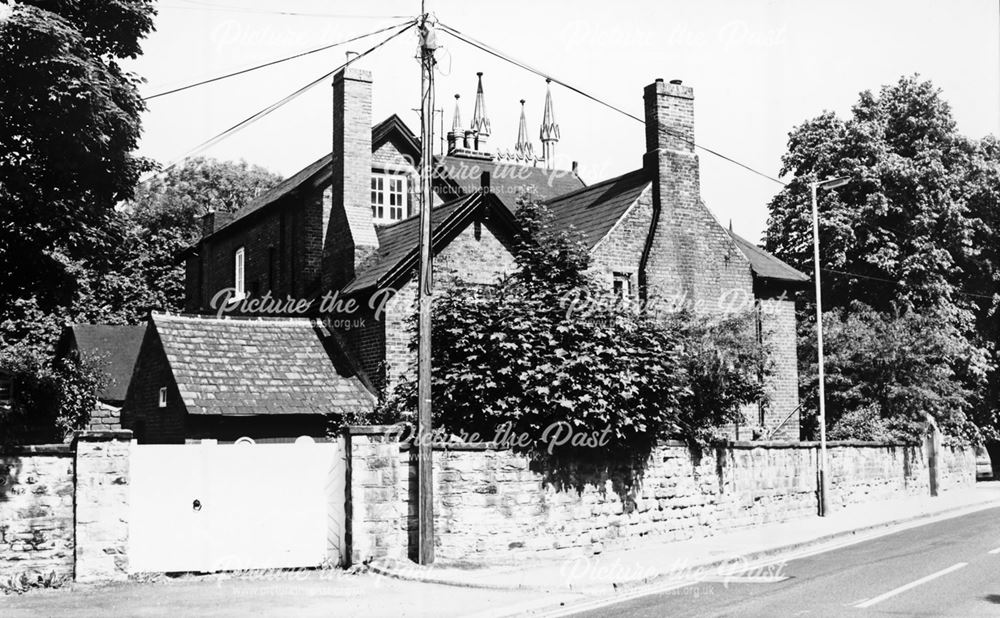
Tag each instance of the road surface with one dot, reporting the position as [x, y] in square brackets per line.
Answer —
[947, 568]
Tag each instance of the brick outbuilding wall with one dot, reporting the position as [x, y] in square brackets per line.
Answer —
[142, 413]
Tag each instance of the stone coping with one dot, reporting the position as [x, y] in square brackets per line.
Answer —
[57, 450]
[102, 436]
[359, 430]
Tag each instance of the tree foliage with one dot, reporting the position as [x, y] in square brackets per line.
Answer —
[913, 236]
[886, 371]
[70, 126]
[515, 361]
[52, 397]
[164, 218]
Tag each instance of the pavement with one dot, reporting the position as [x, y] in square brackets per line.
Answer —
[619, 570]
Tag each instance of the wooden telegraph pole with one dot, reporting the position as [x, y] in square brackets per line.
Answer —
[425, 488]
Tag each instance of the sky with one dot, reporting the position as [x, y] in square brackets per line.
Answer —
[758, 69]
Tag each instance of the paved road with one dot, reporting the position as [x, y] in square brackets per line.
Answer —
[941, 569]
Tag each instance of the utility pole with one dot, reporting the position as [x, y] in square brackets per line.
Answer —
[425, 482]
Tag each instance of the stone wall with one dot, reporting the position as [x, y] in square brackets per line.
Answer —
[493, 505]
[36, 512]
[102, 506]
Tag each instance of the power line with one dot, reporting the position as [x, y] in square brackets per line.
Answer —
[202, 6]
[270, 108]
[894, 282]
[271, 63]
[494, 52]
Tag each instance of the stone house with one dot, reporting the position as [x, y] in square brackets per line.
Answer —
[346, 225]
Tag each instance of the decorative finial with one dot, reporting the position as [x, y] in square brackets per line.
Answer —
[550, 130]
[456, 122]
[523, 148]
[480, 121]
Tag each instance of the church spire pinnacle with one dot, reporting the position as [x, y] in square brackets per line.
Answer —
[455, 136]
[550, 130]
[480, 122]
[523, 149]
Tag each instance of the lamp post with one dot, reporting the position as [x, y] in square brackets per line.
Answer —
[829, 183]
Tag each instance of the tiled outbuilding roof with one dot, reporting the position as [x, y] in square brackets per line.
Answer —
[115, 346]
[593, 211]
[764, 264]
[507, 180]
[245, 367]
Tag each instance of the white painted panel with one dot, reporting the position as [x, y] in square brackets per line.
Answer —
[262, 506]
[165, 532]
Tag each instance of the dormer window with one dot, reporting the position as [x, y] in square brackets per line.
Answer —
[388, 197]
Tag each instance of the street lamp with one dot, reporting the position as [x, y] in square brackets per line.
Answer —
[829, 183]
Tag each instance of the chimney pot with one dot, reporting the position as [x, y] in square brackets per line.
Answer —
[576, 167]
[676, 82]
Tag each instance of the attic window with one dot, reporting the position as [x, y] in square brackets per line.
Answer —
[163, 397]
[388, 197]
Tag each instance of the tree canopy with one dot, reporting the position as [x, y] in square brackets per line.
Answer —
[913, 231]
[511, 360]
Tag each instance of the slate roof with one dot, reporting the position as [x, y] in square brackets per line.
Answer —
[244, 367]
[507, 180]
[764, 264]
[398, 240]
[593, 211]
[116, 347]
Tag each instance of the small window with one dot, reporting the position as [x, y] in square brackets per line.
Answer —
[6, 391]
[163, 397]
[388, 197]
[239, 272]
[622, 286]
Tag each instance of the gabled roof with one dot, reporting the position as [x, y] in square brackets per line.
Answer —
[269, 366]
[319, 171]
[399, 242]
[765, 265]
[462, 176]
[593, 211]
[116, 348]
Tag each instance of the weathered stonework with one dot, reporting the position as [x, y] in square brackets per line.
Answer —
[493, 505]
[102, 506]
[36, 512]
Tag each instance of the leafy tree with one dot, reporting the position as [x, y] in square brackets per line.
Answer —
[71, 120]
[885, 372]
[164, 218]
[515, 360]
[903, 218]
[914, 233]
[52, 397]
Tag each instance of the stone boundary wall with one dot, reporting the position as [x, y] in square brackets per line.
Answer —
[493, 505]
[36, 512]
[64, 509]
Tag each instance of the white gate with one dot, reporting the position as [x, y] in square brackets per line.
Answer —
[210, 507]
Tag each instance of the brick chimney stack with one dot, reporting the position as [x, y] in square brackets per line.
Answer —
[689, 254]
[350, 235]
